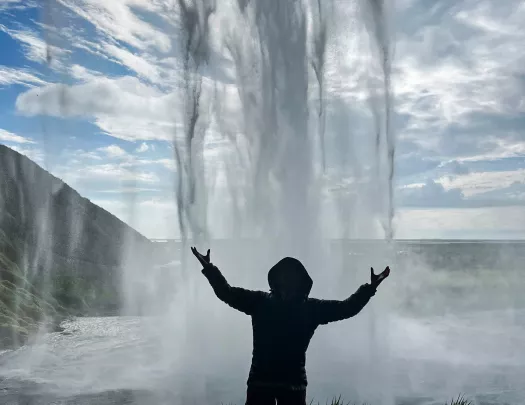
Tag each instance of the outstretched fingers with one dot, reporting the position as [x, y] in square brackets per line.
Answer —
[378, 278]
[198, 255]
[385, 273]
[204, 260]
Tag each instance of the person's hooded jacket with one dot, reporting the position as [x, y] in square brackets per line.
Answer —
[282, 328]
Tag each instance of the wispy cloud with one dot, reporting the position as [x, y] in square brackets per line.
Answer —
[109, 172]
[83, 74]
[124, 107]
[33, 153]
[458, 85]
[113, 151]
[481, 182]
[119, 21]
[26, 77]
[7, 136]
[35, 48]
[458, 81]
[451, 223]
[16, 4]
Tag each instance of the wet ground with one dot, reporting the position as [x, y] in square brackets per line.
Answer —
[112, 361]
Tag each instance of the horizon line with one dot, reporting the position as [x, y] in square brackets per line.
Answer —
[522, 240]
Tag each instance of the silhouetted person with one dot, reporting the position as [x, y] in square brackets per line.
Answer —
[283, 323]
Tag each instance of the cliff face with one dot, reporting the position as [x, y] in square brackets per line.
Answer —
[62, 247]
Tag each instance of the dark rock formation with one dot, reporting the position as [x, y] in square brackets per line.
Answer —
[57, 247]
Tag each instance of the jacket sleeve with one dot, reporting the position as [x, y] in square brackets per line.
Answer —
[326, 311]
[238, 298]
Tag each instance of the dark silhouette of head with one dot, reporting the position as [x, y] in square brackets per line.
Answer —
[288, 279]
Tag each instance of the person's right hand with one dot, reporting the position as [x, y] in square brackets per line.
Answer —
[376, 279]
[204, 260]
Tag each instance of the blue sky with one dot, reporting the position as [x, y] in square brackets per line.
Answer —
[88, 89]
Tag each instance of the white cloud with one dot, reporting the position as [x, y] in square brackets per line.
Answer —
[125, 96]
[489, 222]
[16, 4]
[111, 171]
[102, 169]
[83, 74]
[36, 49]
[430, 194]
[144, 147]
[441, 76]
[26, 77]
[458, 81]
[481, 182]
[154, 218]
[116, 156]
[136, 128]
[33, 153]
[500, 148]
[7, 3]
[139, 64]
[82, 154]
[124, 107]
[113, 151]
[167, 163]
[448, 80]
[7, 136]
[117, 20]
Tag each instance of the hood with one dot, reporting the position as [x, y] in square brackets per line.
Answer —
[296, 270]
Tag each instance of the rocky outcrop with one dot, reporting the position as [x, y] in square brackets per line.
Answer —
[59, 253]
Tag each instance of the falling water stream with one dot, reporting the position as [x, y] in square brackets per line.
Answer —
[306, 163]
[279, 52]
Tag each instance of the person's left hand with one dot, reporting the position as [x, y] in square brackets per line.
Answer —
[376, 279]
[204, 260]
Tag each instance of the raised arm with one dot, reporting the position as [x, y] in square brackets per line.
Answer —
[326, 311]
[238, 298]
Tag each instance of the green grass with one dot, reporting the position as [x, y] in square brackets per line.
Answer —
[29, 303]
[24, 308]
[22, 311]
[339, 401]
[460, 400]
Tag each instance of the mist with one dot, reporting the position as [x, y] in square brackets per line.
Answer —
[278, 117]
